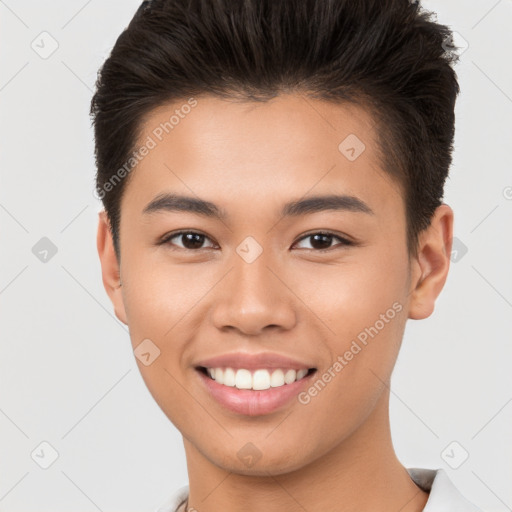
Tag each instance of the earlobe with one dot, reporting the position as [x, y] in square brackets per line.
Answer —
[430, 268]
[110, 266]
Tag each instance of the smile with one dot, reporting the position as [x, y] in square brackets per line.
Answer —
[254, 393]
[258, 379]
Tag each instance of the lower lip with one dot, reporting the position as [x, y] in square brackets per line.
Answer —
[250, 402]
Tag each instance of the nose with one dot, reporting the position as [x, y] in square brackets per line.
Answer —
[253, 297]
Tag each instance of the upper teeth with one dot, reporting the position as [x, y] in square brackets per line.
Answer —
[259, 379]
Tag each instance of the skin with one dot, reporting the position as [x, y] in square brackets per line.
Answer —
[334, 452]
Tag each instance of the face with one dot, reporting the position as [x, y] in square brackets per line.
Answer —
[297, 262]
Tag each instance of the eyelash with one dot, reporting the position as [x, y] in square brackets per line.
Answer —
[344, 241]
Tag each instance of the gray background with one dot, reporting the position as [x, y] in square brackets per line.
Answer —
[67, 373]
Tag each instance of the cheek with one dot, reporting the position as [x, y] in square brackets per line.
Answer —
[159, 306]
[364, 304]
[157, 295]
[165, 302]
[352, 295]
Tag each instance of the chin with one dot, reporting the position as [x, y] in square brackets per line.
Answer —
[276, 464]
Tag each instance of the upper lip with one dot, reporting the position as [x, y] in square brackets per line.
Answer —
[253, 361]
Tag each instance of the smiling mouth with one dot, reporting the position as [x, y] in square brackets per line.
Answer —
[256, 380]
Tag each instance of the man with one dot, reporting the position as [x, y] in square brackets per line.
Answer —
[272, 173]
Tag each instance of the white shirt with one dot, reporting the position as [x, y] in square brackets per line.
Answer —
[443, 495]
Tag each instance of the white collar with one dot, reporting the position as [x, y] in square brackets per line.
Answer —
[444, 496]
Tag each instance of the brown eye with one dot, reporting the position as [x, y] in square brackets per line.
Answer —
[190, 240]
[322, 241]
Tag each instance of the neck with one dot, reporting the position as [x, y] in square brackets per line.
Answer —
[361, 473]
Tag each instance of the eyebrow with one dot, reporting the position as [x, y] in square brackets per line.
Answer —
[332, 202]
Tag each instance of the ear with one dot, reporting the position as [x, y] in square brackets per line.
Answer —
[429, 269]
[110, 266]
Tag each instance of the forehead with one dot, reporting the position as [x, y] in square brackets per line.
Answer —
[271, 151]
